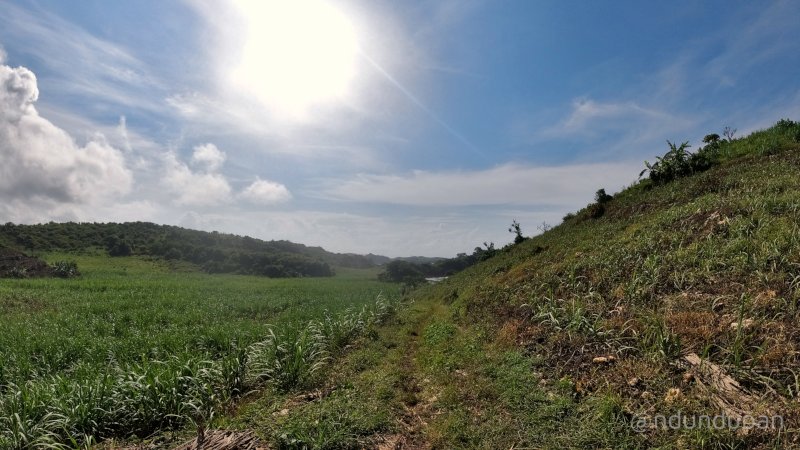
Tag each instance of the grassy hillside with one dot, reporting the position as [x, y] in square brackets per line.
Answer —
[707, 264]
[569, 338]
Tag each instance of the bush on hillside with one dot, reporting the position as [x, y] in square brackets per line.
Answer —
[789, 128]
[680, 162]
[674, 164]
[596, 210]
[517, 231]
[601, 197]
[482, 254]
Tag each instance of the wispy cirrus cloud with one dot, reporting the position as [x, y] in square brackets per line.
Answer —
[509, 184]
[87, 66]
[589, 117]
[608, 130]
[679, 99]
[771, 33]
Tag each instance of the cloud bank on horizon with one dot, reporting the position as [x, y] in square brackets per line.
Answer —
[361, 126]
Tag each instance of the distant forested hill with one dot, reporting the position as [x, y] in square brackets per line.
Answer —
[212, 251]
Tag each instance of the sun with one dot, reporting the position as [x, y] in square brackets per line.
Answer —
[297, 53]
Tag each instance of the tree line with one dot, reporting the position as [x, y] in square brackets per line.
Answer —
[212, 251]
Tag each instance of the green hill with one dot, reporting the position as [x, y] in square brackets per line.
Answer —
[212, 251]
[679, 295]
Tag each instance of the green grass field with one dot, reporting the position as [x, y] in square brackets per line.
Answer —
[134, 345]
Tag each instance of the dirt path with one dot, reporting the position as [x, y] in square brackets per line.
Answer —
[417, 408]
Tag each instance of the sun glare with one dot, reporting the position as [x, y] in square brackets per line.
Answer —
[298, 53]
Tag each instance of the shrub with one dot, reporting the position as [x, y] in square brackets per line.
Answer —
[117, 246]
[482, 254]
[601, 197]
[515, 228]
[705, 158]
[65, 269]
[596, 210]
[674, 164]
[789, 128]
[680, 162]
[711, 139]
[18, 272]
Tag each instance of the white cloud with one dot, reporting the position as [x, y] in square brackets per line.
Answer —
[122, 130]
[266, 192]
[208, 157]
[41, 164]
[589, 117]
[190, 188]
[609, 130]
[510, 184]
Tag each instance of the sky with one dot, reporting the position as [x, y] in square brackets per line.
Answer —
[397, 128]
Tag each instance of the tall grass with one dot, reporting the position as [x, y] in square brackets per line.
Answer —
[142, 397]
[131, 347]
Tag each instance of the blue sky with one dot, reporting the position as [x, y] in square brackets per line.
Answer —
[397, 128]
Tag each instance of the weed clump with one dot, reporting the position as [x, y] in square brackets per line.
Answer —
[65, 269]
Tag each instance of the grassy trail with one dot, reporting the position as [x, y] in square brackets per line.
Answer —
[422, 381]
[372, 396]
[415, 415]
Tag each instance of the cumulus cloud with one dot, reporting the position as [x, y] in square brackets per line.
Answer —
[208, 157]
[200, 183]
[41, 164]
[266, 192]
[190, 188]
